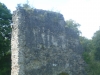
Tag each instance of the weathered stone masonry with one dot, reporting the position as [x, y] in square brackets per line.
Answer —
[42, 45]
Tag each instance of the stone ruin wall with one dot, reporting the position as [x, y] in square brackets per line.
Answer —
[42, 45]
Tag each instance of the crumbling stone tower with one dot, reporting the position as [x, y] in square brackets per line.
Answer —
[42, 45]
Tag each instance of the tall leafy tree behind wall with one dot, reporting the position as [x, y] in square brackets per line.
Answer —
[5, 36]
[92, 53]
[91, 48]
[96, 42]
[73, 25]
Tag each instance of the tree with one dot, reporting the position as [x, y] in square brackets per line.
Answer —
[5, 36]
[73, 25]
[88, 47]
[92, 53]
[96, 42]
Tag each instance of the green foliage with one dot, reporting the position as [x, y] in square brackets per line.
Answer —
[25, 6]
[96, 42]
[97, 54]
[5, 36]
[5, 66]
[63, 73]
[92, 53]
[73, 25]
[86, 44]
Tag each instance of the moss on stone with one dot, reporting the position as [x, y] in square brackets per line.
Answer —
[63, 73]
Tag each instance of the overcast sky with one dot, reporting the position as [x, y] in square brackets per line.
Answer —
[84, 12]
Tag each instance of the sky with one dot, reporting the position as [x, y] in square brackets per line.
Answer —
[84, 12]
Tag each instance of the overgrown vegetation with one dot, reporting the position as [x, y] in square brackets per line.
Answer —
[91, 48]
[5, 36]
[92, 53]
[27, 7]
[73, 25]
[63, 73]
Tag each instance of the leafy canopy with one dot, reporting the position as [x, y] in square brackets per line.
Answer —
[5, 36]
[73, 25]
[96, 42]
